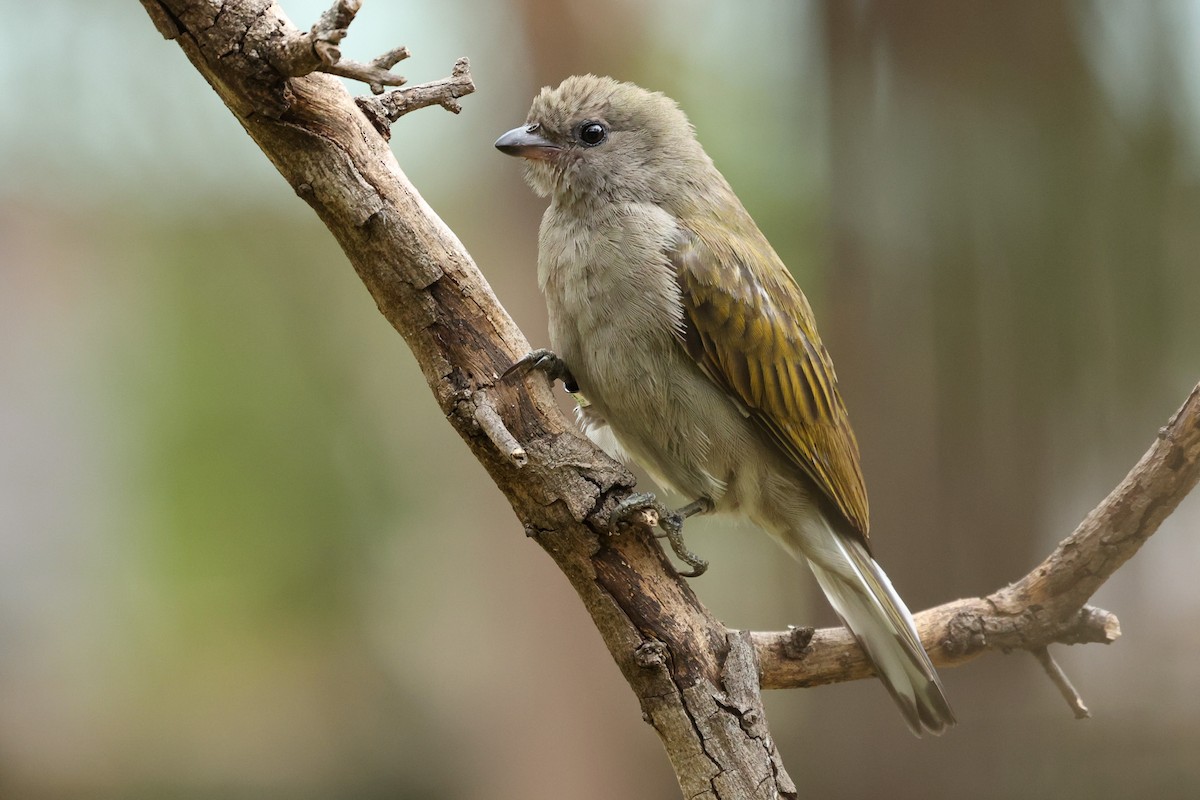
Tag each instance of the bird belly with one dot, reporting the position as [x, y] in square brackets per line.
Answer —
[648, 397]
[663, 418]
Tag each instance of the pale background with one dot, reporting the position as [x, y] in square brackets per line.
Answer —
[243, 556]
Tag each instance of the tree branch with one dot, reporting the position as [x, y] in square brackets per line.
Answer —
[1059, 678]
[696, 681]
[384, 110]
[317, 50]
[1048, 605]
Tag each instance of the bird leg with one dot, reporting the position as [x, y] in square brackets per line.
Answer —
[545, 361]
[669, 522]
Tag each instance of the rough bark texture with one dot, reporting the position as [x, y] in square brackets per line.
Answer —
[698, 683]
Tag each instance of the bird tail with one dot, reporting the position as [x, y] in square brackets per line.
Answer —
[863, 597]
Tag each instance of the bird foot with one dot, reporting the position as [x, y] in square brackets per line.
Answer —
[670, 524]
[545, 361]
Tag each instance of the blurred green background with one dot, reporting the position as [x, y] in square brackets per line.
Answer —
[243, 556]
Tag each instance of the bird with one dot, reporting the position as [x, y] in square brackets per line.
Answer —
[697, 356]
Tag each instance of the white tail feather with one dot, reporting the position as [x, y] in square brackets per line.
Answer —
[863, 597]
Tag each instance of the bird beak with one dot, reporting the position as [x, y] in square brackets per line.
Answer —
[526, 143]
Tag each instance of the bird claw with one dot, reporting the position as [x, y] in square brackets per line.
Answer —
[670, 525]
[546, 361]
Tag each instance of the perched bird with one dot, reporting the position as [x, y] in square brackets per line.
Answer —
[697, 352]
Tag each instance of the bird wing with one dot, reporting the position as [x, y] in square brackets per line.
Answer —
[750, 329]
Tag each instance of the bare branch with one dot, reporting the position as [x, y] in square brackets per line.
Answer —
[385, 63]
[317, 50]
[493, 426]
[1060, 680]
[386, 109]
[1047, 606]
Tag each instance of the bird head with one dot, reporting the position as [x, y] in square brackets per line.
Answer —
[594, 139]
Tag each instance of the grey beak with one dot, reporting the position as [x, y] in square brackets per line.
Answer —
[526, 143]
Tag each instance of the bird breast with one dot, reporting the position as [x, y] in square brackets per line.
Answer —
[615, 319]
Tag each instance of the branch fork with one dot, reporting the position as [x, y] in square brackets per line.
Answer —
[382, 111]
[318, 50]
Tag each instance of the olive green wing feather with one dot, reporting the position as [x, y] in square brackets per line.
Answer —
[751, 330]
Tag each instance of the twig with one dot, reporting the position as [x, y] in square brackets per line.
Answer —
[317, 51]
[387, 108]
[491, 424]
[1060, 679]
[385, 62]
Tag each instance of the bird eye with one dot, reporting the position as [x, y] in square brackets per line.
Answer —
[592, 133]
